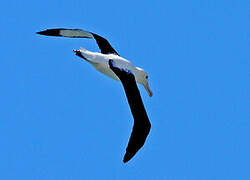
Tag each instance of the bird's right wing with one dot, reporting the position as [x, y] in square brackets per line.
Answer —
[142, 125]
[103, 44]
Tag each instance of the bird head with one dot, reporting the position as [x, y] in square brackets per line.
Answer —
[142, 78]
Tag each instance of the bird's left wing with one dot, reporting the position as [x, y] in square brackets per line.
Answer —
[142, 125]
[102, 43]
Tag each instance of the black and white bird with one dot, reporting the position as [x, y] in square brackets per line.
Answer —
[111, 64]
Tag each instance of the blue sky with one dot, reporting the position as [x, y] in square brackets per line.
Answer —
[60, 119]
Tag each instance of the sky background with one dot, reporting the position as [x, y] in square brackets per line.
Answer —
[61, 119]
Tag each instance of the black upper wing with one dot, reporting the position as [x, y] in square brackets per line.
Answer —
[103, 44]
[142, 125]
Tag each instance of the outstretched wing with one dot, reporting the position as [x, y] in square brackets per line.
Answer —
[142, 125]
[103, 44]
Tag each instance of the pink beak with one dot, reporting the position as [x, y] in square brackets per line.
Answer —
[146, 86]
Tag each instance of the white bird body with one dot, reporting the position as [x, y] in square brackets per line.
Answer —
[101, 63]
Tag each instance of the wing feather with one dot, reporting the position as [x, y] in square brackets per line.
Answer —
[142, 124]
[102, 43]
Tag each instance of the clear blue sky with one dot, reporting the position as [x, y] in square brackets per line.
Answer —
[61, 119]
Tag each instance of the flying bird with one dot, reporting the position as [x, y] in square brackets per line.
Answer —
[110, 63]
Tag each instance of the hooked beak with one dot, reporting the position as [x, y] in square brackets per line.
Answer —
[146, 86]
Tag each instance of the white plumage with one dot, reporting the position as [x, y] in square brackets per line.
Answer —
[100, 63]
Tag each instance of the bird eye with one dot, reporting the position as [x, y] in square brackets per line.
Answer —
[147, 77]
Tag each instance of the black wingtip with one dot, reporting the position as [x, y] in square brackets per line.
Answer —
[127, 157]
[50, 32]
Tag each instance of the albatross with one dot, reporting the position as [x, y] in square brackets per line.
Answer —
[110, 63]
